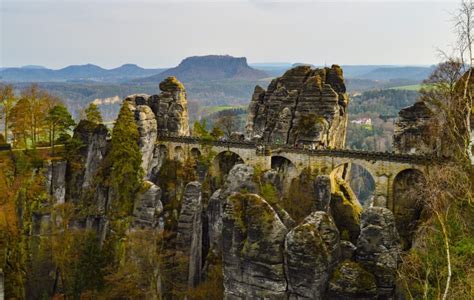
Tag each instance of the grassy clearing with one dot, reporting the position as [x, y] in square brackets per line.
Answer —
[414, 87]
[207, 110]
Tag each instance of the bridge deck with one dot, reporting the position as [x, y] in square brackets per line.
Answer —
[358, 154]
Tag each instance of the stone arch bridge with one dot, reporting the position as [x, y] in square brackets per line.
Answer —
[384, 167]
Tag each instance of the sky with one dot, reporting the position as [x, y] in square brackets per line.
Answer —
[109, 33]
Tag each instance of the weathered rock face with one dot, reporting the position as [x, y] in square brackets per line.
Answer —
[56, 180]
[322, 189]
[304, 106]
[166, 113]
[253, 243]
[95, 153]
[148, 207]
[413, 133]
[82, 169]
[170, 107]
[378, 247]
[346, 210]
[311, 251]
[240, 178]
[189, 235]
[351, 281]
[147, 129]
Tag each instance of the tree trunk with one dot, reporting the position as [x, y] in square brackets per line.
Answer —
[448, 256]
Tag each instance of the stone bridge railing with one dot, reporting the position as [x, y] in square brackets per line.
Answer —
[356, 154]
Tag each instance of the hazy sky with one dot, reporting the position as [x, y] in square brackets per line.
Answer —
[56, 33]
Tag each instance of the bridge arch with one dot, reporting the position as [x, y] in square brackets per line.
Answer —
[195, 153]
[284, 165]
[224, 161]
[360, 179]
[285, 169]
[178, 153]
[406, 202]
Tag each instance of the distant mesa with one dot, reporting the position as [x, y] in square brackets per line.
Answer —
[210, 67]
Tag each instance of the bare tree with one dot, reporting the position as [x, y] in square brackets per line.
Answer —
[228, 123]
[464, 28]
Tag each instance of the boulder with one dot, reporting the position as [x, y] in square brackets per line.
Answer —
[304, 106]
[148, 207]
[253, 243]
[378, 247]
[351, 281]
[311, 251]
[348, 250]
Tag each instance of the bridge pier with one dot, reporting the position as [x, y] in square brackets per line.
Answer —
[383, 193]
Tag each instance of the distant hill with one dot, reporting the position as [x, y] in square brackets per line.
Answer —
[87, 72]
[390, 73]
[209, 67]
[32, 67]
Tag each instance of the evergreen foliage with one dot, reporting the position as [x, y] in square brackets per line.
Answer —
[125, 162]
[93, 114]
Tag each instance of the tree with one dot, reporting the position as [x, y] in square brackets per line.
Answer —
[464, 26]
[216, 132]
[228, 123]
[20, 123]
[28, 119]
[92, 113]
[7, 101]
[125, 161]
[200, 130]
[60, 122]
[440, 264]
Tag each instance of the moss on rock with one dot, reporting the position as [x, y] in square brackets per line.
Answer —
[346, 209]
[351, 281]
[171, 84]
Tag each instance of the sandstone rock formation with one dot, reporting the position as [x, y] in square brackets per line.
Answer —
[378, 247]
[412, 130]
[304, 106]
[56, 180]
[346, 210]
[189, 233]
[240, 178]
[351, 281]
[81, 170]
[165, 113]
[253, 240]
[322, 189]
[147, 129]
[311, 251]
[148, 207]
[170, 107]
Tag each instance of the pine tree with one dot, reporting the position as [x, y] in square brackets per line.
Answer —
[92, 113]
[60, 122]
[125, 162]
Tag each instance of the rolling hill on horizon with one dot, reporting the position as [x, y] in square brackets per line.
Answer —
[88, 72]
